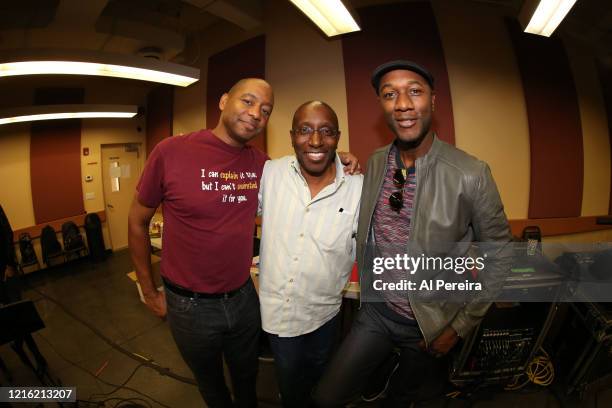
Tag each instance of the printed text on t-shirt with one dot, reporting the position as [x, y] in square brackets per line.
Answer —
[229, 181]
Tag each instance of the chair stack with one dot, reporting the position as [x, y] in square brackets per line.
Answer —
[73, 241]
[51, 247]
[28, 255]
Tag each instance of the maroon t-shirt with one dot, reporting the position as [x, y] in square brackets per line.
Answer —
[208, 192]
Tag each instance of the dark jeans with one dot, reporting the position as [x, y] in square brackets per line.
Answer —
[207, 329]
[300, 362]
[371, 340]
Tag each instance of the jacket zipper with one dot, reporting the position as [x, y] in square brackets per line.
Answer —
[414, 219]
[372, 214]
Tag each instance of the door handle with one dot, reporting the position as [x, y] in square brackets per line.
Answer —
[110, 206]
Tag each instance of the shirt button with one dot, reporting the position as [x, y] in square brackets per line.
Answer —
[308, 210]
[287, 300]
[290, 280]
[301, 235]
[295, 259]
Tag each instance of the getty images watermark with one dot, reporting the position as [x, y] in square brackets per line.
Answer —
[488, 271]
[409, 265]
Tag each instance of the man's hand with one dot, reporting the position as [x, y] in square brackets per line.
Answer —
[442, 344]
[156, 302]
[351, 163]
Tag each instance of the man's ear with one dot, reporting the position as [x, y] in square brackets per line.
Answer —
[223, 101]
[433, 102]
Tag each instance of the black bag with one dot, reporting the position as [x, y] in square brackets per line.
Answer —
[72, 237]
[28, 255]
[51, 247]
[95, 238]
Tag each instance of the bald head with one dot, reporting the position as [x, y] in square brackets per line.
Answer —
[314, 105]
[247, 83]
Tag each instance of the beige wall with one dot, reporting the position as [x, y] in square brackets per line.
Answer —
[595, 138]
[488, 103]
[301, 65]
[16, 195]
[97, 132]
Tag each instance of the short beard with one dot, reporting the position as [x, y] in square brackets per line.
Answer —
[413, 144]
[238, 138]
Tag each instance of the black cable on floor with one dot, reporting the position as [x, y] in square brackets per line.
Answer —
[98, 378]
[117, 388]
[132, 402]
[145, 361]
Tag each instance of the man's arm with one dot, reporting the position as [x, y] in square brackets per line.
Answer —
[262, 186]
[492, 232]
[140, 250]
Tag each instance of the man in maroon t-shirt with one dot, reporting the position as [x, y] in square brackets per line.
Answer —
[207, 183]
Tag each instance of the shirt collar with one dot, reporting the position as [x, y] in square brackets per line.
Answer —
[429, 156]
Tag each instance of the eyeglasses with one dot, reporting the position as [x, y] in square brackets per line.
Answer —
[308, 131]
[396, 199]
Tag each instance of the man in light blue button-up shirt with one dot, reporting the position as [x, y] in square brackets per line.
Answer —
[309, 216]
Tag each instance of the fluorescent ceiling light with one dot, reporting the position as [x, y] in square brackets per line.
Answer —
[544, 17]
[86, 62]
[331, 16]
[48, 112]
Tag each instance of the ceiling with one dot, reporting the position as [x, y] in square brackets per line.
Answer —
[161, 28]
[589, 22]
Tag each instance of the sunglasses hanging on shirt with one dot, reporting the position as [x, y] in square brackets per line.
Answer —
[396, 199]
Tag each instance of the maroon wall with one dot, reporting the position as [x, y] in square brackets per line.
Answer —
[555, 132]
[55, 159]
[245, 60]
[394, 31]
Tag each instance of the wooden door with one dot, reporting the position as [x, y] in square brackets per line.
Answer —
[120, 173]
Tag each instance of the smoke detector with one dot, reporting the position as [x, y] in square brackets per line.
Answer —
[150, 52]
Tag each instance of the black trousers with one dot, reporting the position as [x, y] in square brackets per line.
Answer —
[206, 330]
[300, 361]
[369, 343]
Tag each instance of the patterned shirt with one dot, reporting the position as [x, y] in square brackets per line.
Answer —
[392, 230]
